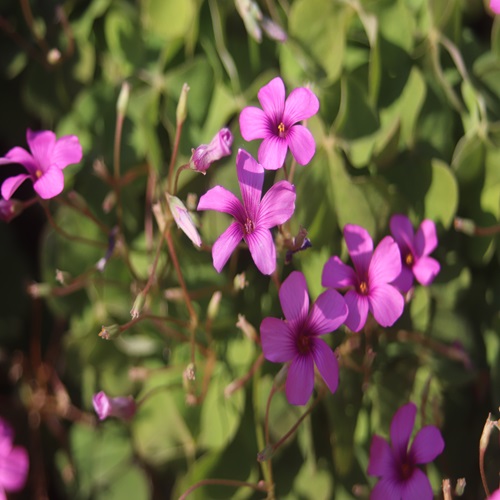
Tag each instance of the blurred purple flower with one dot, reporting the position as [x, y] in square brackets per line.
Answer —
[253, 218]
[277, 124]
[122, 407]
[495, 6]
[496, 494]
[296, 339]
[369, 281]
[415, 250]
[203, 156]
[14, 462]
[396, 465]
[48, 157]
[10, 209]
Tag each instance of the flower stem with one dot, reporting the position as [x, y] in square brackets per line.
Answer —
[171, 168]
[222, 482]
[179, 170]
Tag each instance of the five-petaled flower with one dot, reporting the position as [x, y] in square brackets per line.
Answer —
[123, 407]
[14, 462]
[396, 464]
[277, 124]
[48, 157]
[296, 339]
[415, 250]
[253, 218]
[369, 281]
[205, 154]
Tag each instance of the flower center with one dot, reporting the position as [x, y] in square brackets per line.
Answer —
[249, 226]
[406, 470]
[304, 344]
[281, 129]
[38, 173]
[409, 259]
[363, 288]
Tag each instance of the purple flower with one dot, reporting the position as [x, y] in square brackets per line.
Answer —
[369, 280]
[253, 218]
[415, 250]
[10, 209]
[14, 462]
[495, 6]
[48, 157]
[122, 407]
[496, 494]
[296, 339]
[203, 156]
[277, 124]
[396, 465]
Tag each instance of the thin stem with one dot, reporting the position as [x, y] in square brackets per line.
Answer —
[171, 168]
[83, 210]
[148, 213]
[155, 265]
[292, 171]
[222, 482]
[179, 170]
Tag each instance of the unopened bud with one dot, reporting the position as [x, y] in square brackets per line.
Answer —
[181, 112]
[138, 305]
[485, 436]
[251, 15]
[273, 30]
[183, 219]
[205, 154]
[110, 332]
[190, 372]
[53, 56]
[213, 305]
[248, 330]
[240, 282]
[10, 209]
[38, 290]
[174, 294]
[122, 103]
[109, 202]
[460, 486]
[266, 453]
[100, 169]
[123, 407]
[62, 277]
[191, 201]
[465, 226]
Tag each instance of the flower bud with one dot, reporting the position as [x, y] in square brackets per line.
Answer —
[183, 219]
[273, 30]
[465, 226]
[240, 282]
[213, 305]
[39, 290]
[181, 112]
[251, 15]
[138, 305]
[110, 332]
[247, 328]
[265, 454]
[10, 209]
[122, 103]
[53, 56]
[122, 407]
[203, 156]
[62, 277]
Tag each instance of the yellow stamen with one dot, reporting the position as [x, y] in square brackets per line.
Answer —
[281, 129]
[38, 174]
[409, 260]
[363, 287]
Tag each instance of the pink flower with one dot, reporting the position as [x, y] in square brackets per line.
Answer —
[496, 494]
[10, 209]
[296, 339]
[14, 462]
[415, 250]
[122, 407]
[277, 124]
[369, 280]
[253, 218]
[396, 465]
[48, 157]
[495, 6]
[203, 156]
[183, 219]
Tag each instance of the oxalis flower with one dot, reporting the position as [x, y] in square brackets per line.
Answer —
[369, 281]
[277, 124]
[253, 218]
[296, 339]
[396, 464]
[205, 154]
[122, 407]
[415, 250]
[48, 157]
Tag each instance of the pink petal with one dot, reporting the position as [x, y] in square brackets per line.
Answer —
[50, 184]
[301, 144]
[386, 304]
[385, 265]
[386, 489]
[42, 146]
[427, 445]
[336, 274]
[222, 200]
[251, 179]
[381, 459]
[357, 306]
[425, 270]
[261, 246]
[402, 231]
[327, 363]
[254, 124]
[360, 246]
[277, 205]
[272, 99]
[278, 340]
[300, 105]
[21, 156]
[11, 184]
[401, 429]
[102, 405]
[14, 469]
[405, 280]
[294, 297]
[226, 244]
[272, 152]
[67, 151]
[426, 238]
[327, 313]
[417, 487]
[495, 6]
[300, 380]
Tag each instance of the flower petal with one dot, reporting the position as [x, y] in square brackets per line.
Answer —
[222, 200]
[255, 124]
[405, 279]
[360, 246]
[401, 428]
[261, 246]
[358, 310]
[278, 340]
[417, 487]
[42, 146]
[327, 313]
[425, 270]
[272, 100]
[327, 363]
[381, 461]
[385, 265]
[300, 105]
[67, 151]
[426, 238]
[427, 445]
[272, 152]
[21, 156]
[294, 297]
[336, 274]
[50, 184]
[387, 489]
[277, 205]
[402, 231]
[386, 304]
[251, 179]
[11, 184]
[301, 144]
[300, 380]
[226, 244]
[14, 469]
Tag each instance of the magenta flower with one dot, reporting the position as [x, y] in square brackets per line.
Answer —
[369, 281]
[396, 465]
[9, 209]
[122, 407]
[277, 124]
[203, 156]
[253, 218]
[14, 462]
[415, 250]
[495, 6]
[296, 339]
[48, 157]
